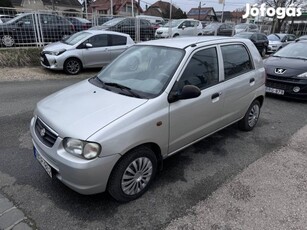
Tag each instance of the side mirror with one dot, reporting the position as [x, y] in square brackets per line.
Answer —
[188, 92]
[183, 27]
[88, 45]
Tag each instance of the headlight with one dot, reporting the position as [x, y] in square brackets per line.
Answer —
[303, 75]
[87, 150]
[57, 53]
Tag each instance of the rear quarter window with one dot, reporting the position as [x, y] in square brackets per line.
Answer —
[236, 60]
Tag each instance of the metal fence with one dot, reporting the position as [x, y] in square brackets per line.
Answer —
[26, 27]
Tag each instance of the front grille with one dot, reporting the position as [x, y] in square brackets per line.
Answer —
[44, 59]
[279, 85]
[288, 79]
[44, 133]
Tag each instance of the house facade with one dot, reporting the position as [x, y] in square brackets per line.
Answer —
[202, 14]
[120, 7]
[162, 9]
[55, 5]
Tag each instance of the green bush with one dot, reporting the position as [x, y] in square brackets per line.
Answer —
[22, 57]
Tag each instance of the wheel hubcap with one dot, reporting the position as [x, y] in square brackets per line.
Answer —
[73, 67]
[7, 40]
[136, 176]
[253, 116]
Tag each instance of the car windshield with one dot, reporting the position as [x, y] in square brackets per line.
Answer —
[241, 26]
[274, 37]
[146, 70]
[113, 22]
[173, 23]
[75, 38]
[293, 50]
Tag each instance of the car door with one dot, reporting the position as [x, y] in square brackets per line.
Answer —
[24, 29]
[257, 41]
[99, 54]
[239, 81]
[194, 118]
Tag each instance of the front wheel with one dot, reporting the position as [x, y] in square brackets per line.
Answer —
[133, 174]
[72, 66]
[249, 121]
[7, 40]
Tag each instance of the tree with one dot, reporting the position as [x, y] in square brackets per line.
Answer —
[278, 22]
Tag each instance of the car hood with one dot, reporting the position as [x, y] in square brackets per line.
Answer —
[82, 109]
[240, 30]
[57, 46]
[293, 67]
[163, 29]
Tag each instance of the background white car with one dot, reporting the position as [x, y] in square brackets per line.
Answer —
[85, 49]
[180, 27]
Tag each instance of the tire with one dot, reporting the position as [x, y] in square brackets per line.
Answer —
[7, 40]
[72, 66]
[133, 174]
[263, 52]
[249, 121]
[175, 35]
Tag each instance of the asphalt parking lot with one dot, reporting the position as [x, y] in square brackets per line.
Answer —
[188, 178]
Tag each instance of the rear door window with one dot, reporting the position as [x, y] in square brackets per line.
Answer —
[236, 60]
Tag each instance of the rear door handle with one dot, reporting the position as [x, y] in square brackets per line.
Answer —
[251, 81]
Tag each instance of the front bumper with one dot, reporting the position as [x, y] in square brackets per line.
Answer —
[272, 48]
[82, 176]
[291, 88]
[51, 61]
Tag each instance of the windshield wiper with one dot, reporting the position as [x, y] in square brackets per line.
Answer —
[122, 87]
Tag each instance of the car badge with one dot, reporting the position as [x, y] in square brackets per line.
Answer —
[42, 132]
[280, 71]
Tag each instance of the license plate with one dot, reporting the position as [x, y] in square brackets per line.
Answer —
[42, 162]
[275, 91]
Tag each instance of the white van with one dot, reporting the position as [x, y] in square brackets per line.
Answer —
[180, 27]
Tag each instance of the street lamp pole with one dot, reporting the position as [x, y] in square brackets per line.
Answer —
[223, 11]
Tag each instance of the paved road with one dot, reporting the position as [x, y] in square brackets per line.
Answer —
[187, 178]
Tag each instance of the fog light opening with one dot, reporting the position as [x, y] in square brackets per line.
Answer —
[296, 89]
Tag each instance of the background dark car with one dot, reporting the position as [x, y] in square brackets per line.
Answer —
[4, 18]
[103, 19]
[128, 26]
[80, 23]
[287, 71]
[260, 40]
[220, 29]
[33, 28]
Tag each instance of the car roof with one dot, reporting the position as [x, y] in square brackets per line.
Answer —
[183, 42]
[93, 31]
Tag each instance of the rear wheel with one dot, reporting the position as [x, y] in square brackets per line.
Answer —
[72, 66]
[249, 121]
[133, 174]
[7, 40]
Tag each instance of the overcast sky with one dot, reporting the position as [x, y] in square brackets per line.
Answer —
[186, 5]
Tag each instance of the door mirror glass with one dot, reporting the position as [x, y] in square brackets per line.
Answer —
[88, 45]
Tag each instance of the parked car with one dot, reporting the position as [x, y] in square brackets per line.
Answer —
[112, 131]
[26, 27]
[287, 71]
[260, 40]
[278, 41]
[85, 49]
[180, 27]
[4, 18]
[80, 23]
[220, 29]
[246, 27]
[304, 37]
[103, 19]
[128, 26]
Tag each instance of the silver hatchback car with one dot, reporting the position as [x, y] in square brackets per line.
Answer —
[85, 49]
[112, 132]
